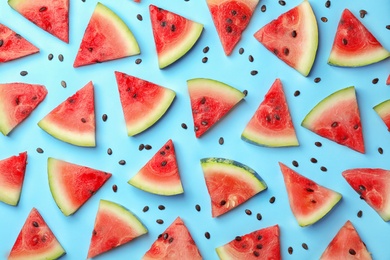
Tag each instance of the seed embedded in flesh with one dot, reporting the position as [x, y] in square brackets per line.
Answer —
[223, 202]
[163, 163]
[229, 29]
[1, 42]
[286, 51]
[352, 251]
[35, 224]
[238, 238]
[83, 120]
[345, 41]
[294, 34]
[203, 100]
[334, 124]
[42, 9]
[255, 253]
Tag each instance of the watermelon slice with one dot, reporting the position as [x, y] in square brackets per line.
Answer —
[229, 183]
[260, 244]
[354, 45]
[72, 185]
[231, 17]
[12, 170]
[17, 101]
[373, 185]
[211, 100]
[36, 240]
[73, 121]
[346, 244]
[292, 37]
[383, 110]
[106, 38]
[114, 226]
[337, 118]
[143, 102]
[174, 243]
[174, 35]
[51, 16]
[160, 175]
[13, 46]
[308, 200]
[271, 125]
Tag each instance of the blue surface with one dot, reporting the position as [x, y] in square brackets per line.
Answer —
[74, 232]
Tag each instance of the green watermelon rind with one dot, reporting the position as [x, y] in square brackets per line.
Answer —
[138, 182]
[269, 141]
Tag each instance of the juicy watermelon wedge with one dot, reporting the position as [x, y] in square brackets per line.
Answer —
[271, 125]
[72, 185]
[337, 118]
[36, 240]
[383, 110]
[143, 102]
[174, 35]
[17, 102]
[308, 200]
[346, 244]
[106, 38]
[211, 100]
[373, 185]
[174, 243]
[229, 183]
[292, 37]
[260, 244]
[73, 121]
[231, 17]
[114, 226]
[354, 45]
[12, 171]
[160, 175]
[51, 16]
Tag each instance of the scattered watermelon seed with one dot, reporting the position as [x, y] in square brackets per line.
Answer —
[297, 93]
[122, 162]
[295, 163]
[388, 27]
[206, 49]
[313, 160]
[380, 150]
[114, 188]
[50, 56]
[160, 221]
[259, 216]
[139, 17]
[141, 147]
[316, 80]
[63, 83]
[304, 245]
[39, 150]
[197, 207]
[360, 214]
[109, 151]
[290, 250]
[282, 3]
[184, 126]
[221, 141]
[148, 147]
[248, 212]
[23, 73]
[318, 144]
[362, 13]
[245, 92]
[263, 8]
[61, 57]
[352, 251]
[138, 61]
[104, 117]
[327, 4]
[205, 59]
[272, 200]
[323, 168]
[250, 58]
[324, 19]
[161, 207]
[254, 72]
[145, 209]
[241, 51]
[207, 235]
[374, 81]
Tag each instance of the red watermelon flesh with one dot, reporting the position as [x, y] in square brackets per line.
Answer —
[17, 101]
[51, 16]
[12, 171]
[36, 240]
[373, 186]
[231, 17]
[346, 245]
[260, 244]
[174, 243]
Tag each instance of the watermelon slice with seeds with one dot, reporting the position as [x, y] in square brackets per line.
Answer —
[114, 226]
[229, 183]
[383, 110]
[51, 16]
[143, 102]
[308, 200]
[231, 17]
[17, 102]
[292, 37]
[106, 38]
[271, 125]
[36, 240]
[174, 35]
[337, 118]
[12, 171]
[354, 45]
[160, 175]
[211, 100]
[73, 121]
[72, 185]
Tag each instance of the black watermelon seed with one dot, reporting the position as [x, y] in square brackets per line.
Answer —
[50, 56]
[229, 29]
[238, 238]
[223, 202]
[63, 83]
[360, 214]
[203, 100]
[259, 216]
[221, 141]
[122, 162]
[1, 43]
[207, 235]
[324, 19]
[334, 124]
[39, 150]
[295, 163]
[170, 240]
[263, 8]
[148, 146]
[145, 209]
[304, 246]
[161, 207]
[388, 27]
[205, 59]
[83, 120]
[259, 237]
[204, 123]
[327, 4]
[138, 61]
[297, 93]
[163, 163]
[35, 224]
[114, 188]
[83, 0]
[160, 221]
[248, 212]
[259, 246]
[345, 42]
[282, 3]
[173, 28]
[286, 51]
[361, 187]
[23, 73]
[294, 34]
[197, 207]
[206, 49]
[290, 250]
[374, 81]
[184, 126]
[139, 17]
[323, 168]
[309, 190]
[241, 51]
[104, 117]
[250, 58]
[42, 9]
[318, 144]
[159, 236]
[318, 79]
[254, 72]
[255, 253]
[245, 92]
[272, 200]
[165, 236]
[17, 35]
[313, 160]
[362, 13]
[352, 251]
[109, 151]
[141, 147]
[380, 150]
[61, 57]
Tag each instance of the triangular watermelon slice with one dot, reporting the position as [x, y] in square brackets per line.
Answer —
[260, 244]
[174, 35]
[231, 17]
[383, 110]
[346, 244]
[292, 37]
[72, 185]
[174, 243]
[308, 200]
[106, 38]
[229, 183]
[114, 226]
[73, 121]
[271, 125]
[13, 46]
[354, 45]
[36, 240]
[143, 102]
[12, 171]
[373, 185]
[17, 102]
[337, 118]
[160, 175]
[211, 100]
[51, 16]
